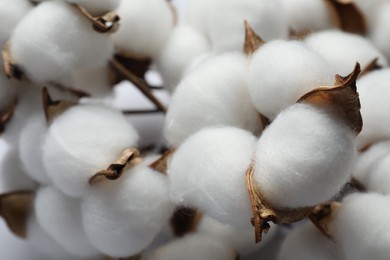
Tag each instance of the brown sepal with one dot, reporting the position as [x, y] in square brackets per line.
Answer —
[298, 35]
[107, 23]
[185, 220]
[76, 92]
[161, 164]
[323, 216]
[263, 212]
[11, 70]
[137, 65]
[347, 16]
[127, 159]
[372, 66]
[252, 40]
[15, 209]
[6, 116]
[342, 99]
[54, 108]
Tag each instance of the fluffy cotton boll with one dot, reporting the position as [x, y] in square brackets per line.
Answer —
[8, 91]
[40, 37]
[182, 47]
[380, 33]
[281, 72]
[214, 94]
[11, 12]
[241, 240]
[307, 15]
[308, 243]
[121, 218]
[94, 81]
[208, 172]
[145, 26]
[226, 23]
[374, 94]
[361, 228]
[197, 14]
[82, 141]
[379, 178]
[194, 247]
[304, 157]
[370, 9]
[60, 217]
[12, 176]
[30, 147]
[342, 50]
[367, 161]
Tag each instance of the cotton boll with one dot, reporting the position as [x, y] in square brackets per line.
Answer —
[122, 217]
[361, 228]
[82, 141]
[374, 94]
[281, 72]
[208, 172]
[307, 243]
[304, 157]
[40, 37]
[342, 50]
[194, 247]
[307, 15]
[182, 47]
[370, 9]
[214, 94]
[197, 14]
[226, 23]
[379, 178]
[241, 240]
[380, 34]
[60, 217]
[145, 26]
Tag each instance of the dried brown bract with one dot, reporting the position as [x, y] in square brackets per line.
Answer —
[11, 70]
[323, 215]
[161, 164]
[106, 23]
[252, 40]
[370, 67]
[53, 108]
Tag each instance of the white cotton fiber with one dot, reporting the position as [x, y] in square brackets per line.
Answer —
[380, 33]
[122, 217]
[61, 39]
[145, 26]
[374, 93]
[241, 240]
[8, 91]
[214, 94]
[94, 81]
[11, 12]
[307, 243]
[208, 172]
[307, 15]
[197, 14]
[183, 46]
[60, 217]
[304, 157]
[379, 178]
[342, 50]
[195, 247]
[361, 228]
[30, 147]
[226, 22]
[281, 72]
[370, 9]
[82, 141]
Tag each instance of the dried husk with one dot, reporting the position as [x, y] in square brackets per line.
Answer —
[370, 67]
[323, 216]
[161, 164]
[11, 70]
[15, 209]
[185, 220]
[6, 116]
[127, 159]
[342, 99]
[252, 40]
[106, 23]
[298, 35]
[347, 16]
[54, 108]
[264, 212]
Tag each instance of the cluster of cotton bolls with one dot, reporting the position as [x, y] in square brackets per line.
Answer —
[277, 114]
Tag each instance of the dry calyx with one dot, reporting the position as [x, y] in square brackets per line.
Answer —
[340, 101]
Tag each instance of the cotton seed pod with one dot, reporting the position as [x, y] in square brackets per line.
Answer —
[226, 20]
[306, 243]
[213, 94]
[361, 227]
[370, 9]
[183, 46]
[145, 27]
[380, 34]
[121, 218]
[60, 217]
[374, 93]
[208, 172]
[87, 138]
[280, 72]
[193, 247]
[342, 50]
[58, 54]
[379, 178]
